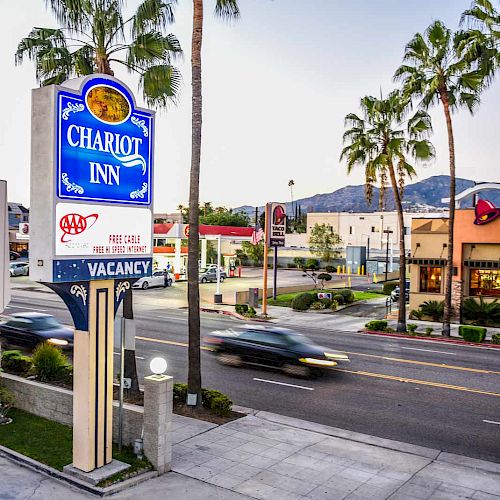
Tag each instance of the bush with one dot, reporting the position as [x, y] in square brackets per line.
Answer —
[481, 313]
[250, 312]
[495, 338]
[180, 393]
[428, 331]
[416, 314]
[241, 308]
[411, 328]
[216, 401]
[330, 269]
[327, 302]
[299, 262]
[7, 401]
[317, 306]
[347, 294]
[312, 264]
[339, 298]
[472, 333]
[389, 286]
[334, 305]
[377, 325]
[50, 364]
[15, 362]
[291, 265]
[302, 302]
[433, 308]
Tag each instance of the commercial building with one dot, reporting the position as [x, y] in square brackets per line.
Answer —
[18, 227]
[476, 254]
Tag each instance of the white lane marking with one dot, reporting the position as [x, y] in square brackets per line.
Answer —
[137, 357]
[283, 383]
[491, 422]
[429, 350]
[27, 308]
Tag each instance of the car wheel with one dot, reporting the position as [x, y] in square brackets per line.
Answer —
[203, 280]
[297, 370]
[229, 359]
[145, 285]
[221, 279]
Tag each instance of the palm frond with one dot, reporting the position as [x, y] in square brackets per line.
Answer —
[153, 15]
[160, 85]
[227, 9]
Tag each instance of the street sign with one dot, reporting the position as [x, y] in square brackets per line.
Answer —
[277, 225]
[104, 145]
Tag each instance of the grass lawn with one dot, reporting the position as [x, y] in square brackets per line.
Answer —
[51, 443]
[285, 300]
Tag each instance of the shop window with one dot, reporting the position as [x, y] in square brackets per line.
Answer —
[430, 279]
[373, 229]
[485, 282]
[351, 230]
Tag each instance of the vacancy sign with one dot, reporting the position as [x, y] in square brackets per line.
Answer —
[277, 225]
[96, 230]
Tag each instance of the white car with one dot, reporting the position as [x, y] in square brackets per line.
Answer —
[159, 278]
[19, 269]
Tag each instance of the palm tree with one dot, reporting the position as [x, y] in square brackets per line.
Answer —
[94, 37]
[434, 71]
[291, 183]
[380, 141]
[92, 40]
[226, 9]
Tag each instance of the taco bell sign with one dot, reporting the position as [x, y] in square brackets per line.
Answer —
[91, 182]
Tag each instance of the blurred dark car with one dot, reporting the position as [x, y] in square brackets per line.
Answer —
[31, 328]
[395, 293]
[273, 347]
[14, 255]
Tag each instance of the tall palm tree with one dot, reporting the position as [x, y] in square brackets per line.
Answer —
[381, 141]
[92, 40]
[95, 37]
[226, 9]
[291, 183]
[435, 71]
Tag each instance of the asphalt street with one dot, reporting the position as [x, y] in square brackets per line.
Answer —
[425, 393]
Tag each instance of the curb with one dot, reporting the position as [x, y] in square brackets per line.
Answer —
[232, 314]
[433, 339]
[46, 470]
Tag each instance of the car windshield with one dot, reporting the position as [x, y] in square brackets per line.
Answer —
[46, 323]
[297, 338]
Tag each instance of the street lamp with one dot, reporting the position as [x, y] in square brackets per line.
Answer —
[158, 366]
[388, 232]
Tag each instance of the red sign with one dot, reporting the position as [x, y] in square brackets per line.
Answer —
[72, 224]
[186, 231]
[485, 212]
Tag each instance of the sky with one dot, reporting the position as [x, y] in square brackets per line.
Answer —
[277, 85]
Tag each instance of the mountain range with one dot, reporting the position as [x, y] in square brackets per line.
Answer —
[422, 196]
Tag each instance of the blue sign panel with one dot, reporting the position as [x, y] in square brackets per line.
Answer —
[104, 145]
[100, 269]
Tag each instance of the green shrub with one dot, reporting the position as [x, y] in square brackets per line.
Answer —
[389, 330]
[339, 298]
[291, 265]
[495, 338]
[377, 325]
[347, 294]
[411, 328]
[326, 301]
[428, 331]
[472, 333]
[481, 313]
[330, 269]
[299, 262]
[433, 308]
[312, 264]
[15, 362]
[50, 364]
[180, 393]
[416, 314]
[216, 401]
[302, 302]
[389, 286]
[250, 312]
[7, 401]
[317, 306]
[241, 308]
[334, 305]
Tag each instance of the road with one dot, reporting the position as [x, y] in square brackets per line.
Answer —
[429, 394]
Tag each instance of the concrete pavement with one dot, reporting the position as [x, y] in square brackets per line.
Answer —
[268, 456]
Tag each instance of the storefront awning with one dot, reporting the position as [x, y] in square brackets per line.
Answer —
[427, 262]
[483, 264]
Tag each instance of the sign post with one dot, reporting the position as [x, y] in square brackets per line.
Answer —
[91, 230]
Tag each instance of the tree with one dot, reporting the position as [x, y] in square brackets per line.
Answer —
[225, 9]
[222, 216]
[324, 242]
[94, 36]
[436, 71]
[254, 252]
[291, 183]
[381, 141]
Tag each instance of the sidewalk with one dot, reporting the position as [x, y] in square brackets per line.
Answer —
[268, 456]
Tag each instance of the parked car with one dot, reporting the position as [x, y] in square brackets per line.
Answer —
[28, 329]
[395, 293]
[210, 275]
[158, 278]
[274, 347]
[19, 269]
[14, 255]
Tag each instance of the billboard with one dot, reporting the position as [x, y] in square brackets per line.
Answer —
[91, 182]
[276, 225]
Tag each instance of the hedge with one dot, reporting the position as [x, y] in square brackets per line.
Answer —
[302, 302]
[212, 399]
[472, 333]
[15, 362]
[495, 338]
[377, 325]
[389, 286]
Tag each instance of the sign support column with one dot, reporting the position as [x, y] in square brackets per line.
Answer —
[266, 236]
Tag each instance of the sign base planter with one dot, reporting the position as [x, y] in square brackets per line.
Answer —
[97, 475]
[218, 298]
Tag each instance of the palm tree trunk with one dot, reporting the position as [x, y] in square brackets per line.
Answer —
[194, 361]
[449, 264]
[402, 252]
